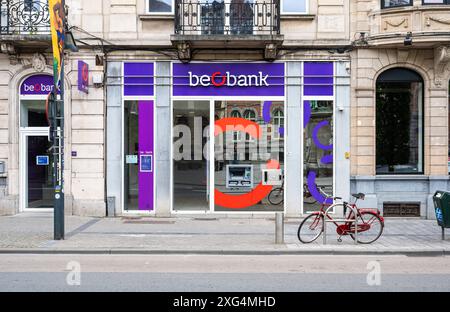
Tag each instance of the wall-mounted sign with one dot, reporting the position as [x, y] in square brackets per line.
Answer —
[228, 79]
[131, 159]
[37, 85]
[83, 77]
[42, 160]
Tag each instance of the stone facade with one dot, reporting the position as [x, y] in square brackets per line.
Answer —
[379, 45]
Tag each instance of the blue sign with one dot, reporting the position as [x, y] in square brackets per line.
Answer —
[146, 163]
[42, 160]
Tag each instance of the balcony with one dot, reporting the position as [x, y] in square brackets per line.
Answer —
[227, 24]
[24, 24]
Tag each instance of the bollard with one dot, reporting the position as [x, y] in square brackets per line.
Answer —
[279, 228]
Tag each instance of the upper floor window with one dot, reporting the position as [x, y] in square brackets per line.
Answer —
[160, 6]
[395, 3]
[293, 6]
[436, 1]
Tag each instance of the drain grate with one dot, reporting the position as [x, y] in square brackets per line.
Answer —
[401, 209]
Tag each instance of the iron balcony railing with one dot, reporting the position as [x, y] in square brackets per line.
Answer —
[227, 17]
[24, 17]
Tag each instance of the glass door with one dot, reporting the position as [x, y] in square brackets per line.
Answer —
[318, 167]
[191, 174]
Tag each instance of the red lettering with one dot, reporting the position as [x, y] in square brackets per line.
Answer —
[213, 79]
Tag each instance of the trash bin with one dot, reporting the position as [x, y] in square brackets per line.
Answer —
[441, 202]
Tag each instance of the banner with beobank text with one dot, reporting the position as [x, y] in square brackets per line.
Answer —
[57, 16]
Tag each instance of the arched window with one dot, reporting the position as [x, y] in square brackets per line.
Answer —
[399, 122]
[236, 114]
[250, 114]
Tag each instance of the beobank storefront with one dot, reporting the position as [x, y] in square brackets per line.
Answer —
[226, 137]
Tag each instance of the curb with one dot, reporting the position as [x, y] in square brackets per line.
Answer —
[411, 253]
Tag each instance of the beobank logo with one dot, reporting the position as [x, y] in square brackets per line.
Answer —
[37, 88]
[226, 79]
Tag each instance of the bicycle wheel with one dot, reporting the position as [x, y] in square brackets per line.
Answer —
[276, 196]
[310, 229]
[370, 228]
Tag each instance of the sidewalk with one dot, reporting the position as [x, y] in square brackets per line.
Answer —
[33, 232]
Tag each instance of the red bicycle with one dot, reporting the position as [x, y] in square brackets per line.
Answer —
[369, 222]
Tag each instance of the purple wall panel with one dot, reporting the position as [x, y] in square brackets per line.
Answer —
[138, 79]
[146, 150]
[319, 79]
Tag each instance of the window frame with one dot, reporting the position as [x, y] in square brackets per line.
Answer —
[147, 9]
[444, 2]
[294, 13]
[421, 127]
[411, 2]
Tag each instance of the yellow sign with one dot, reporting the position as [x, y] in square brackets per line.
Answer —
[56, 8]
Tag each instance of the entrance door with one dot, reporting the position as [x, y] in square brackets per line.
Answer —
[36, 171]
[191, 164]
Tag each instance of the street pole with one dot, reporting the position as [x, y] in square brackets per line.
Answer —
[58, 149]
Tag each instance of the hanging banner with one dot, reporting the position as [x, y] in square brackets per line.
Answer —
[56, 8]
[83, 77]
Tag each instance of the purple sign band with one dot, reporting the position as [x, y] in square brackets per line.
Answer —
[146, 155]
[319, 78]
[228, 79]
[138, 79]
[37, 85]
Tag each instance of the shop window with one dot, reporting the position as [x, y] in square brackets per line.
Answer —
[160, 6]
[236, 134]
[399, 122]
[249, 114]
[294, 6]
[395, 3]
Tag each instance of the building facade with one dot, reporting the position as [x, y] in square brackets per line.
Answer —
[400, 100]
[205, 107]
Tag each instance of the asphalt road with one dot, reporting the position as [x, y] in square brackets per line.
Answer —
[174, 273]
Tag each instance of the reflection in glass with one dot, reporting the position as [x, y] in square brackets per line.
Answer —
[239, 164]
[317, 153]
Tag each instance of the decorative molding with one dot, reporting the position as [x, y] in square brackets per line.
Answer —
[388, 23]
[437, 20]
[38, 62]
[441, 62]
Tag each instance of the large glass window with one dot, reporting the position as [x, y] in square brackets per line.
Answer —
[293, 6]
[318, 169]
[160, 6]
[32, 113]
[395, 3]
[190, 155]
[240, 165]
[399, 122]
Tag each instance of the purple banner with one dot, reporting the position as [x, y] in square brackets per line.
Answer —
[319, 79]
[37, 85]
[228, 79]
[146, 155]
[83, 77]
[138, 79]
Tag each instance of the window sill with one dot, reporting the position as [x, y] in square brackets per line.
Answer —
[156, 17]
[306, 17]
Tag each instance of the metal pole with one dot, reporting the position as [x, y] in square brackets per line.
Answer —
[58, 153]
[443, 233]
[279, 228]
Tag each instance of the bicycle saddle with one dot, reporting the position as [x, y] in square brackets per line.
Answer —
[359, 196]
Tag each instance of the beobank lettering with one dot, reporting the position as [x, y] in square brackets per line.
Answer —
[219, 79]
[38, 87]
